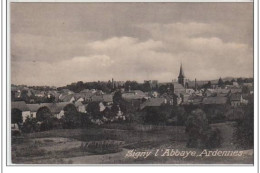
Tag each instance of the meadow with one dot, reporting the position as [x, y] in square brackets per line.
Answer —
[110, 144]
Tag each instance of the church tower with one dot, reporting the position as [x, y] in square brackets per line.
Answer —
[181, 77]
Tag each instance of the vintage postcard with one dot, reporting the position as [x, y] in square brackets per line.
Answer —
[166, 83]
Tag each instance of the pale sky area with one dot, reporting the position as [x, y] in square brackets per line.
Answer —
[60, 43]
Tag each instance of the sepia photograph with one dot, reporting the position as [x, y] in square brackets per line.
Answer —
[131, 83]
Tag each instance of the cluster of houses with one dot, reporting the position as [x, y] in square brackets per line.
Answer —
[179, 95]
[231, 95]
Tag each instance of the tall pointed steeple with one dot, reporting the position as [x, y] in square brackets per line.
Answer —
[181, 76]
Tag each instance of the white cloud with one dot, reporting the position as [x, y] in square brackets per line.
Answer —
[203, 57]
[128, 58]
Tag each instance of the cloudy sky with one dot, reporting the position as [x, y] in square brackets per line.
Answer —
[60, 43]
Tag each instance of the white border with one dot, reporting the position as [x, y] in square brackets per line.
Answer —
[188, 168]
[132, 1]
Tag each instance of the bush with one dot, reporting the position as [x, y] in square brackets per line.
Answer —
[244, 129]
[212, 138]
[72, 118]
[180, 114]
[199, 132]
[46, 125]
[43, 114]
[30, 125]
[16, 116]
[16, 133]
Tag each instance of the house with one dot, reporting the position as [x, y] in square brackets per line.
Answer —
[17, 94]
[52, 93]
[80, 107]
[151, 94]
[194, 100]
[97, 98]
[55, 108]
[251, 89]
[185, 97]
[178, 88]
[170, 99]
[236, 90]
[95, 105]
[189, 91]
[29, 93]
[134, 95]
[222, 91]
[79, 97]
[33, 109]
[248, 84]
[235, 84]
[66, 91]
[108, 99]
[85, 91]
[153, 102]
[87, 96]
[209, 92]
[21, 105]
[99, 92]
[237, 99]
[38, 93]
[67, 98]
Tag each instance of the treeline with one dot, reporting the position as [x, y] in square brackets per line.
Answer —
[109, 87]
[222, 82]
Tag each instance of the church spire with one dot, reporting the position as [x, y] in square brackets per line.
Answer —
[181, 76]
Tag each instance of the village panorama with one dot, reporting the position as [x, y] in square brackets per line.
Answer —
[126, 122]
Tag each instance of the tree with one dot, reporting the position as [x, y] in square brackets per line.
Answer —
[16, 116]
[30, 125]
[220, 82]
[207, 85]
[157, 115]
[132, 85]
[117, 98]
[109, 85]
[24, 96]
[93, 109]
[154, 116]
[244, 129]
[245, 90]
[43, 114]
[147, 87]
[240, 81]
[227, 82]
[201, 135]
[180, 113]
[84, 119]
[13, 96]
[71, 117]
[168, 88]
[50, 99]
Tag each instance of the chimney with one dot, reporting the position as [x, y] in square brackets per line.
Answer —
[113, 86]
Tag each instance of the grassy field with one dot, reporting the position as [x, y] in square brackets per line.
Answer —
[66, 146]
